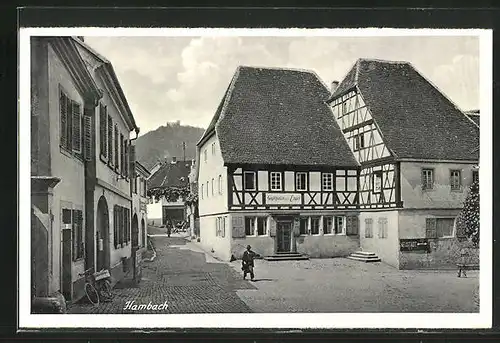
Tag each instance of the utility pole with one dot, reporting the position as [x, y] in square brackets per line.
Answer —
[184, 151]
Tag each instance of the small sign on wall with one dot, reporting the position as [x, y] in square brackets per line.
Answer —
[283, 199]
[414, 244]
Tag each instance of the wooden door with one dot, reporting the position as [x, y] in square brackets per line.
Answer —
[284, 236]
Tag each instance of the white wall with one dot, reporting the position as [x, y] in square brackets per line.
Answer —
[386, 248]
[211, 169]
[71, 188]
[221, 246]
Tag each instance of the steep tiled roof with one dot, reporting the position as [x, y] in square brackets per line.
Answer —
[278, 116]
[473, 115]
[171, 175]
[415, 118]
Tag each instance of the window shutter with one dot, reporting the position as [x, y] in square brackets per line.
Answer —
[422, 174]
[63, 120]
[430, 228]
[116, 148]
[238, 227]
[110, 139]
[76, 132]
[352, 224]
[103, 120]
[132, 159]
[87, 134]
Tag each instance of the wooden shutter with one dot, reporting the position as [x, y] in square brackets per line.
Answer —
[132, 161]
[76, 130]
[115, 226]
[352, 225]
[110, 139]
[103, 120]
[238, 227]
[296, 227]
[87, 137]
[272, 228]
[116, 148]
[430, 228]
[63, 109]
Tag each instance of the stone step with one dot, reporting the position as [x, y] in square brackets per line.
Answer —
[365, 253]
[286, 257]
[364, 259]
[363, 256]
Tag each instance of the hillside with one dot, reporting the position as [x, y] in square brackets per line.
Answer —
[166, 141]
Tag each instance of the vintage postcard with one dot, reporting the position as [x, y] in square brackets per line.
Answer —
[255, 178]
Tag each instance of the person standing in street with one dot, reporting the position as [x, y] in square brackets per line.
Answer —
[247, 263]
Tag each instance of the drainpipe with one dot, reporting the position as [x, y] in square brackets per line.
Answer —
[132, 200]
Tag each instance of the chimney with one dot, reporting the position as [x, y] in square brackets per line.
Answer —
[335, 84]
[174, 160]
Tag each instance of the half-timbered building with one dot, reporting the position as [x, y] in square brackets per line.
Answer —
[417, 153]
[274, 170]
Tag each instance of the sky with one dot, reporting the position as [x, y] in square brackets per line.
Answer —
[183, 79]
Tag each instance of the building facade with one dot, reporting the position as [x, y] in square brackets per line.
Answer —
[418, 154]
[275, 171]
[380, 170]
[171, 176]
[63, 97]
[82, 203]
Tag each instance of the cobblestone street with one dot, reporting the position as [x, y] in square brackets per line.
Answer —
[182, 278]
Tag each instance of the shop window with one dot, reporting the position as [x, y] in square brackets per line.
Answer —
[249, 226]
[304, 226]
[327, 225]
[315, 225]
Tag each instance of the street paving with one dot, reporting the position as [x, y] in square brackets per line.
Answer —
[343, 285]
[180, 277]
[190, 280]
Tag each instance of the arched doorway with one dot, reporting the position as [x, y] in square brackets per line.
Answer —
[143, 233]
[135, 232]
[102, 234]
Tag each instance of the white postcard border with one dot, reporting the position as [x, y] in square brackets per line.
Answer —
[483, 319]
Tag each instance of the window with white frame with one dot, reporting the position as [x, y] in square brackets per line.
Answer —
[250, 226]
[276, 181]
[382, 227]
[315, 225]
[249, 180]
[444, 227]
[261, 226]
[327, 181]
[301, 181]
[455, 180]
[377, 181]
[427, 178]
[220, 184]
[304, 226]
[340, 225]
[327, 225]
[359, 142]
[368, 227]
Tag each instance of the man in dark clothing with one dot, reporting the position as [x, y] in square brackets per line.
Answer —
[247, 262]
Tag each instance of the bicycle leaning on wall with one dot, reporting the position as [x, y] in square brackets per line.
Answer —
[97, 285]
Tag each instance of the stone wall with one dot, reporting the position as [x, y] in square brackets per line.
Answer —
[444, 254]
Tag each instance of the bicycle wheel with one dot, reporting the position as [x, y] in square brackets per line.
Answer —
[105, 290]
[92, 294]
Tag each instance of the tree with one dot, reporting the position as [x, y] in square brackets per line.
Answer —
[468, 219]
